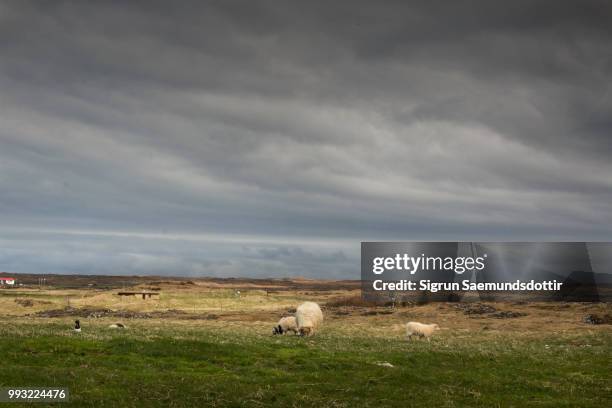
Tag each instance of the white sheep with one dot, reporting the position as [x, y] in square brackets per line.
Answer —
[420, 330]
[309, 317]
[286, 324]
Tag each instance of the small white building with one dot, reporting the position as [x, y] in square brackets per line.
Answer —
[5, 280]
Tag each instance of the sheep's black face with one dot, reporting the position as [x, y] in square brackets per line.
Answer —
[277, 330]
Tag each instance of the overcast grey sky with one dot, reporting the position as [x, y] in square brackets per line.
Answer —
[268, 138]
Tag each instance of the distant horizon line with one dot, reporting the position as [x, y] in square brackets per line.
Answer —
[11, 274]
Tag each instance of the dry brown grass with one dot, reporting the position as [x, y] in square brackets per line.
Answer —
[216, 305]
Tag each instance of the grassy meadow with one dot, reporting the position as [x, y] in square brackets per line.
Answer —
[217, 350]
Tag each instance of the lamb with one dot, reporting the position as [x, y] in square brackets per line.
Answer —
[117, 326]
[309, 317]
[420, 330]
[286, 324]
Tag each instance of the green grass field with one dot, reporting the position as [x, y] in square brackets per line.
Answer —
[165, 363]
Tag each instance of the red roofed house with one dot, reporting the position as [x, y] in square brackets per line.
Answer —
[5, 280]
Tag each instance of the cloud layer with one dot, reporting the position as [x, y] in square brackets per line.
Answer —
[270, 138]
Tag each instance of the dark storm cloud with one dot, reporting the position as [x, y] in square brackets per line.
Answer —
[153, 137]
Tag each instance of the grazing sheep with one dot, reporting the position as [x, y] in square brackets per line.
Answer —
[420, 330]
[308, 317]
[117, 326]
[286, 324]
